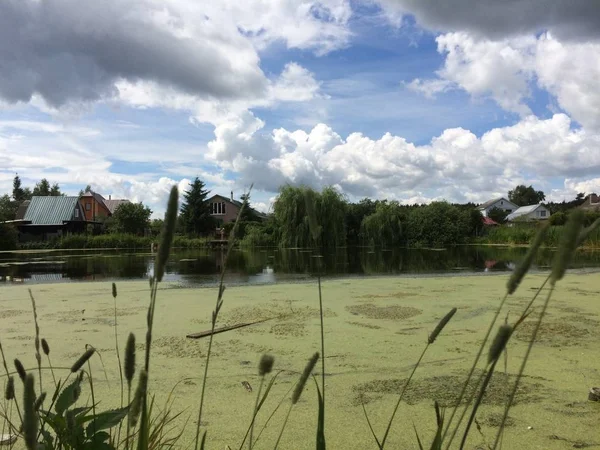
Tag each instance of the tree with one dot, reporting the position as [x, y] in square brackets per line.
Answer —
[497, 215]
[55, 190]
[525, 195]
[42, 188]
[248, 214]
[8, 237]
[8, 208]
[132, 218]
[439, 225]
[195, 209]
[385, 226]
[18, 193]
[88, 188]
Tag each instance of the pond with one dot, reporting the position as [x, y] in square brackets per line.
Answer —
[264, 266]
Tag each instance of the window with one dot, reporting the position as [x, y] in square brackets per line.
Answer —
[76, 213]
[542, 213]
[88, 206]
[509, 210]
[502, 202]
[218, 208]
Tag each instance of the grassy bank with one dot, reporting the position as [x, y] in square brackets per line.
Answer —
[524, 234]
[110, 241]
[374, 329]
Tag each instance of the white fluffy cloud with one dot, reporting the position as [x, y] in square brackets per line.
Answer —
[506, 69]
[457, 165]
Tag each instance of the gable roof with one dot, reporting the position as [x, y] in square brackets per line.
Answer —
[238, 204]
[51, 210]
[22, 210]
[492, 201]
[523, 210]
[112, 205]
[97, 196]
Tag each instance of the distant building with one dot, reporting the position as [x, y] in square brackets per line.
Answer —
[500, 203]
[227, 209]
[591, 203]
[96, 207]
[529, 213]
[51, 216]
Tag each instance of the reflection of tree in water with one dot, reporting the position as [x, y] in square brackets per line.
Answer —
[351, 260]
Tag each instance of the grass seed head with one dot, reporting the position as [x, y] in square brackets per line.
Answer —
[45, 347]
[20, 370]
[304, 377]
[567, 245]
[265, 365]
[114, 290]
[522, 269]
[499, 342]
[440, 326]
[9, 392]
[30, 420]
[130, 358]
[167, 233]
[140, 394]
[83, 359]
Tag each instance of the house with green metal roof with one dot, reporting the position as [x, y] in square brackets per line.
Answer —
[51, 216]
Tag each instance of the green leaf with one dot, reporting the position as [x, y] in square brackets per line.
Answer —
[68, 397]
[106, 420]
[48, 440]
[101, 436]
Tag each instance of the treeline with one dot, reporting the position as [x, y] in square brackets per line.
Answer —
[303, 217]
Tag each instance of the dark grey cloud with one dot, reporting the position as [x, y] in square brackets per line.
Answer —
[73, 50]
[567, 19]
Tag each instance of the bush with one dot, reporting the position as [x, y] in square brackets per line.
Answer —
[257, 235]
[8, 237]
[558, 218]
[439, 225]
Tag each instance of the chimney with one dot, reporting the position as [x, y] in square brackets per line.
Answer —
[109, 196]
[231, 196]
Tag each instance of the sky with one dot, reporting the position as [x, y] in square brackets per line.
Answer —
[410, 100]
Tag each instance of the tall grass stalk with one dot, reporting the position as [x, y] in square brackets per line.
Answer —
[7, 377]
[430, 340]
[512, 285]
[215, 314]
[310, 365]
[46, 350]
[118, 353]
[38, 356]
[166, 240]
[264, 367]
[567, 247]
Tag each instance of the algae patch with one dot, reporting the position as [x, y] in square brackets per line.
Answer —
[372, 311]
[446, 389]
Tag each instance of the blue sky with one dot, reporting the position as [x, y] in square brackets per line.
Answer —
[386, 99]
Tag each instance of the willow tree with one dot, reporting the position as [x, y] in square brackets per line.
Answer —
[293, 221]
[385, 226]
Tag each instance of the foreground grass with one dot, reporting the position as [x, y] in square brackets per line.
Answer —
[372, 344]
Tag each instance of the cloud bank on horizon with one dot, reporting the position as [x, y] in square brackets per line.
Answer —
[403, 99]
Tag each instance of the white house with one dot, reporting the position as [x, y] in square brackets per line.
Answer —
[531, 212]
[500, 203]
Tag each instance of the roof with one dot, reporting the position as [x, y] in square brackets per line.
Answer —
[488, 221]
[492, 201]
[113, 204]
[51, 210]
[22, 210]
[523, 210]
[238, 204]
[97, 196]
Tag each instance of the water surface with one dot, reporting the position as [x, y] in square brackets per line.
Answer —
[266, 266]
